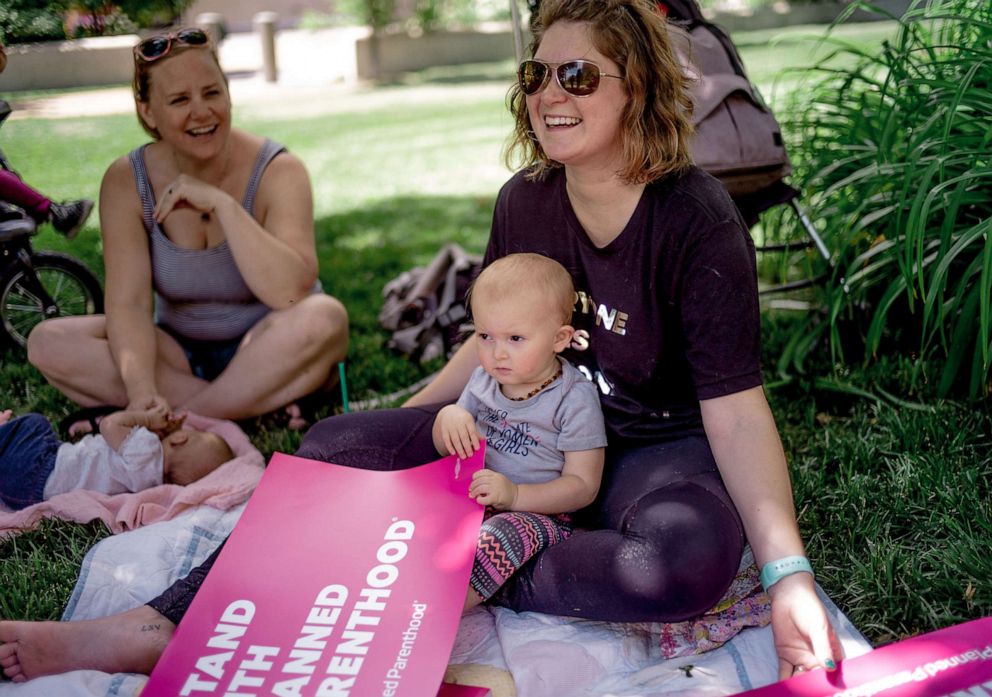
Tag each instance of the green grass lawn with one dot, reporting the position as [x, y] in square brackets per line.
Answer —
[894, 501]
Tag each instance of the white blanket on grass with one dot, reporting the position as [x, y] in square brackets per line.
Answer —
[545, 655]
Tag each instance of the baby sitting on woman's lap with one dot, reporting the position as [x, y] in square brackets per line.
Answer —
[135, 450]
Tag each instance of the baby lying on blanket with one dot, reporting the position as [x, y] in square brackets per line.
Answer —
[135, 450]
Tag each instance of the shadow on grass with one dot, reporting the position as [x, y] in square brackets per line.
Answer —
[362, 249]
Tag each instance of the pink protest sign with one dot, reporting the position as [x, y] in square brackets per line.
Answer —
[336, 581]
[450, 690]
[952, 661]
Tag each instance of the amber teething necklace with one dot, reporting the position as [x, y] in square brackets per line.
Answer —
[538, 388]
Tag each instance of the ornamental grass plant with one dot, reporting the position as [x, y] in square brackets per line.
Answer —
[895, 157]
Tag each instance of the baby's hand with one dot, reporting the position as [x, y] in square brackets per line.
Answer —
[174, 421]
[152, 401]
[154, 418]
[458, 431]
[493, 489]
[162, 422]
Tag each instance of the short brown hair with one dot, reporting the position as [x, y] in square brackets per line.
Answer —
[141, 83]
[531, 272]
[656, 124]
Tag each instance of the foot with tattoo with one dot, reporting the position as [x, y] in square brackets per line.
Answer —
[130, 642]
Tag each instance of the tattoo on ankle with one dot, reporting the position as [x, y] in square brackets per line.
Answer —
[150, 627]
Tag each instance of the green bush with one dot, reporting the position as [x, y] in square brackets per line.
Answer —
[154, 13]
[437, 14]
[22, 21]
[374, 13]
[97, 18]
[420, 15]
[895, 155]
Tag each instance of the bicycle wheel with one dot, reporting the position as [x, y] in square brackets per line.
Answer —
[72, 287]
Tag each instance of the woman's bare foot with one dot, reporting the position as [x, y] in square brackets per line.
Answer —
[130, 642]
[5, 416]
[85, 421]
[289, 417]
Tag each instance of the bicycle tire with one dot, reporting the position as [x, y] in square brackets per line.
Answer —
[69, 282]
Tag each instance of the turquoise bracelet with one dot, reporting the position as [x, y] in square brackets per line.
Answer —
[775, 571]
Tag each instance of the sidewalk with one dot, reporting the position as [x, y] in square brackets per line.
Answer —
[315, 69]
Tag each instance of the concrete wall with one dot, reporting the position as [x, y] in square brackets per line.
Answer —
[60, 64]
[382, 56]
[238, 13]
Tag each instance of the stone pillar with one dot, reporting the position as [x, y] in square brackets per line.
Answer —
[213, 24]
[265, 27]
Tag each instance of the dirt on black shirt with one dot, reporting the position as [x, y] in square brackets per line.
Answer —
[667, 313]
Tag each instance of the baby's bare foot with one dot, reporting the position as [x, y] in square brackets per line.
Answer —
[130, 642]
[5, 416]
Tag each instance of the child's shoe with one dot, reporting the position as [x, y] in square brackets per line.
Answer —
[68, 218]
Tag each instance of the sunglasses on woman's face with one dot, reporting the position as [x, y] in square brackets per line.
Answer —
[155, 47]
[579, 78]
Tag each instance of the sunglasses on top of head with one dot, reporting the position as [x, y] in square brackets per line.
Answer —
[579, 78]
[155, 47]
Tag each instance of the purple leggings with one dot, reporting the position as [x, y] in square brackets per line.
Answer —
[663, 540]
[13, 190]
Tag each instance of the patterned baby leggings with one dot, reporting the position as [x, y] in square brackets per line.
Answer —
[507, 540]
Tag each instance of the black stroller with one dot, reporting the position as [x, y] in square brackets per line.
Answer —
[738, 139]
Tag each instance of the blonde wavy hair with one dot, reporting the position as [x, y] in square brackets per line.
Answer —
[656, 124]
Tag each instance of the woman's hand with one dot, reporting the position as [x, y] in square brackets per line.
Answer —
[493, 489]
[116, 427]
[148, 402]
[162, 422]
[188, 192]
[154, 419]
[804, 639]
[751, 460]
[273, 246]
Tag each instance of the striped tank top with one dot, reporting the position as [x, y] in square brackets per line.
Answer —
[200, 293]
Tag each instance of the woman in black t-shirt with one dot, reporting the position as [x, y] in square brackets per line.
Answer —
[668, 327]
[668, 323]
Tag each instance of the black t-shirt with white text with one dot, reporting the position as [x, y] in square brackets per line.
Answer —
[666, 314]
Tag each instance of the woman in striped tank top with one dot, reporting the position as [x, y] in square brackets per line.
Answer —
[213, 302]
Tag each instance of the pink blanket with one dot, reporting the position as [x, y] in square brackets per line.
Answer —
[226, 487]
